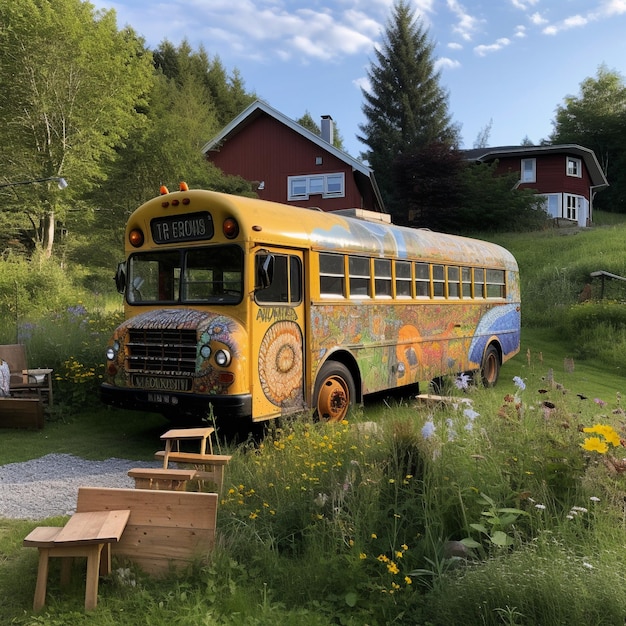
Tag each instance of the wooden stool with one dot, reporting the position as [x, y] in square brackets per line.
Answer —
[85, 535]
[163, 479]
[175, 436]
[210, 467]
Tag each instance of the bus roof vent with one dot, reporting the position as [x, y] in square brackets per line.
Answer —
[364, 214]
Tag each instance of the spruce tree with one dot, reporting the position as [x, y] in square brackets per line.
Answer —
[406, 108]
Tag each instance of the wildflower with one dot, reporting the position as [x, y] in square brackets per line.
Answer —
[392, 568]
[594, 499]
[519, 383]
[599, 401]
[471, 414]
[408, 580]
[541, 507]
[428, 430]
[374, 536]
[595, 444]
[587, 565]
[362, 556]
[462, 381]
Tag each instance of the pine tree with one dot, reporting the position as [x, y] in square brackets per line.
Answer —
[406, 108]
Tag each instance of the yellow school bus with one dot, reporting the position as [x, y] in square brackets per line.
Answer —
[244, 308]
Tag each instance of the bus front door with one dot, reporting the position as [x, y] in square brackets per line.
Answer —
[277, 334]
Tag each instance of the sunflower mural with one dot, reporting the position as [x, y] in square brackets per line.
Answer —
[281, 363]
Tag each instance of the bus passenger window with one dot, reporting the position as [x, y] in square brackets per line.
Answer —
[466, 281]
[359, 277]
[479, 282]
[438, 281]
[332, 275]
[453, 282]
[495, 284]
[422, 280]
[403, 279]
[382, 278]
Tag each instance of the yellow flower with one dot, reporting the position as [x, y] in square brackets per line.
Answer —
[362, 555]
[595, 444]
[374, 536]
[408, 580]
[392, 568]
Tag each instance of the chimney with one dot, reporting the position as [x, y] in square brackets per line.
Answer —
[328, 129]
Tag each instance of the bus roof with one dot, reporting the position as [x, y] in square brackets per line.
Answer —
[279, 224]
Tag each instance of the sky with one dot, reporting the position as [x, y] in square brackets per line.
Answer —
[506, 65]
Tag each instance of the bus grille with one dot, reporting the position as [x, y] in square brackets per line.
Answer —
[162, 351]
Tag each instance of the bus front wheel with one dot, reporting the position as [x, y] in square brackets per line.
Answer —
[490, 367]
[334, 392]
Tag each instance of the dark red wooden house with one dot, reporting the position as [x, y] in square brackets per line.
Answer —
[288, 163]
[567, 175]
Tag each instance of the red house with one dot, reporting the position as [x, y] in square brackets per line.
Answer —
[288, 163]
[567, 175]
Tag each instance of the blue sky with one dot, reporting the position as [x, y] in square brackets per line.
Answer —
[506, 64]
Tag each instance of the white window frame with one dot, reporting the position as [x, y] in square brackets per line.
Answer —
[301, 187]
[571, 206]
[574, 167]
[528, 171]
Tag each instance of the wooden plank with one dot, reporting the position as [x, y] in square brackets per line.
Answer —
[42, 536]
[21, 413]
[93, 527]
[165, 529]
[194, 459]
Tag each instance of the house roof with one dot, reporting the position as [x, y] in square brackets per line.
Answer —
[598, 178]
[257, 108]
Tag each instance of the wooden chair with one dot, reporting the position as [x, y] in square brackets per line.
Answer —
[26, 381]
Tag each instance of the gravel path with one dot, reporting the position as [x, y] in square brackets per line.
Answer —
[48, 486]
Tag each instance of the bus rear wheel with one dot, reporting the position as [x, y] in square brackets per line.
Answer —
[490, 367]
[334, 392]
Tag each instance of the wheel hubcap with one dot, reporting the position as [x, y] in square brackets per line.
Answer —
[334, 400]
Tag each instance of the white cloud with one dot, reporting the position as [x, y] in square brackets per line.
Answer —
[520, 31]
[537, 19]
[483, 50]
[524, 5]
[453, 45]
[445, 63]
[575, 21]
[466, 24]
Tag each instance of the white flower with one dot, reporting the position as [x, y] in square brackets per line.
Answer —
[428, 430]
[587, 565]
[519, 383]
[541, 507]
[471, 414]
[462, 381]
[594, 499]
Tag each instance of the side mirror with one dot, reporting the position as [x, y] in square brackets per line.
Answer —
[120, 277]
[265, 271]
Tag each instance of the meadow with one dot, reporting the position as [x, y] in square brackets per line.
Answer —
[504, 507]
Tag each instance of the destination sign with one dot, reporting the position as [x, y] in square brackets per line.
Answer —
[175, 228]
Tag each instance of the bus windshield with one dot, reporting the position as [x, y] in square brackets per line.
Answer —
[212, 275]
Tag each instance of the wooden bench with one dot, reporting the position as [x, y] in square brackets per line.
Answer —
[166, 529]
[209, 467]
[168, 479]
[87, 534]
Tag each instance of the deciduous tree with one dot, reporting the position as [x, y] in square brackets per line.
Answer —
[71, 83]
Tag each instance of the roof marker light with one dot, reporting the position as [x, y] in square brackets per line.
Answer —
[164, 190]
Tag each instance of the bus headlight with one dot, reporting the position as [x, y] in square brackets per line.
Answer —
[222, 358]
[112, 351]
[136, 238]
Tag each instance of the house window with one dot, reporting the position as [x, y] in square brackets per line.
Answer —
[529, 170]
[574, 167]
[325, 185]
[552, 204]
[570, 208]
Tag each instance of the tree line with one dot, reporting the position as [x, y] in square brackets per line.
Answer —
[91, 103]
